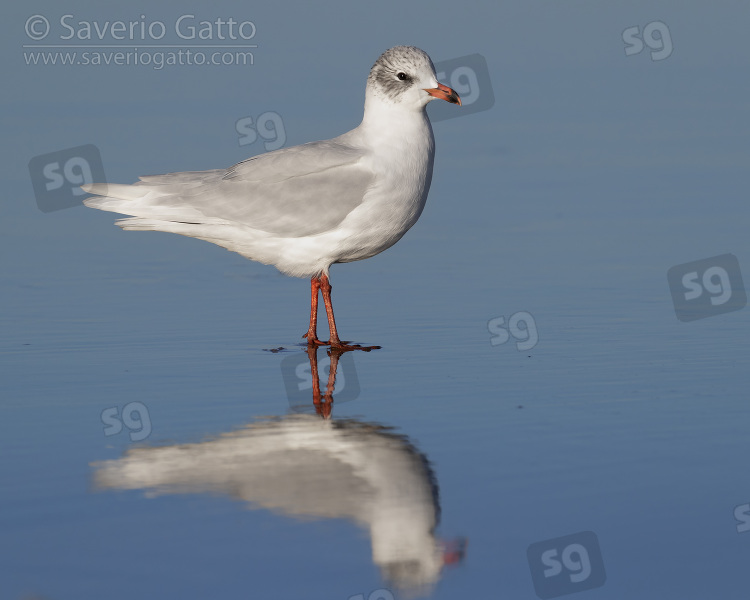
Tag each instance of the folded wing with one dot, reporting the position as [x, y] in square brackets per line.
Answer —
[293, 192]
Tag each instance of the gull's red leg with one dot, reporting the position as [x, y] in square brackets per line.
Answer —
[335, 342]
[312, 335]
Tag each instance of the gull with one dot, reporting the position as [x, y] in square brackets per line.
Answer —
[305, 467]
[305, 208]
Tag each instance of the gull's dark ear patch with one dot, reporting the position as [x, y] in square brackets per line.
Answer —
[394, 71]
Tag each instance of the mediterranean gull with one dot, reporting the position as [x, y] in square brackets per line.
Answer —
[304, 467]
[307, 207]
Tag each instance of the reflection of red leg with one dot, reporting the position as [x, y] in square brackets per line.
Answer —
[312, 335]
[334, 355]
[335, 342]
[326, 408]
[323, 403]
[320, 408]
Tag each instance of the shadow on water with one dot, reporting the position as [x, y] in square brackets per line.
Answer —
[312, 466]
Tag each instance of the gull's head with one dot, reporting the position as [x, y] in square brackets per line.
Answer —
[405, 76]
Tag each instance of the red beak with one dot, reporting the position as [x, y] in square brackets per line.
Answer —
[444, 93]
[454, 551]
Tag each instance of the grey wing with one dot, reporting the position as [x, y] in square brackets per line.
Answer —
[293, 192]
[297, 191]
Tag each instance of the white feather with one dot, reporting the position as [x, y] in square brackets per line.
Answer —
[304, 208]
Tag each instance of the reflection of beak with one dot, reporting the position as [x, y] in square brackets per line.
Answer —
[454, 551]
[444, 93]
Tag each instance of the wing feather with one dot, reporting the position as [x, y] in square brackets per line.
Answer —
[293, 192]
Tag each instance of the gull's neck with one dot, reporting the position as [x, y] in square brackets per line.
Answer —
[400, 128]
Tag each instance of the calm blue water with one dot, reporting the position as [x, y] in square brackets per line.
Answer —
[153, 446]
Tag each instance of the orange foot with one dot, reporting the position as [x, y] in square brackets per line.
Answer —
[312, 339]
[345, 347]
[335, 343]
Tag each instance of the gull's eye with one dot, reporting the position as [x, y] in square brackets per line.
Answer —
[402, 76]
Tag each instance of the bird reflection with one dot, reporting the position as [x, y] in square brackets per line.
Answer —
[306, 466]
[323, 404]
